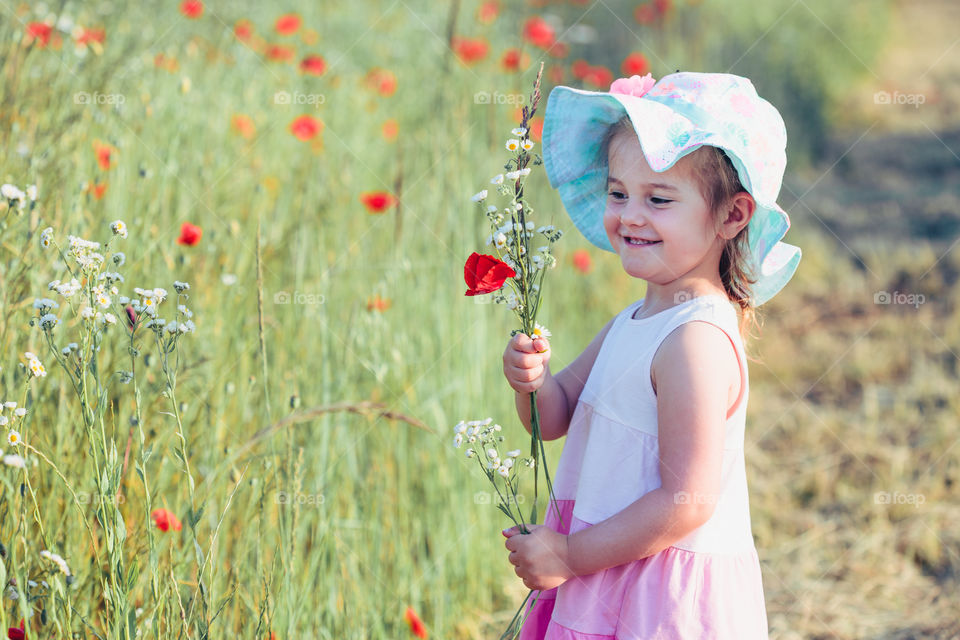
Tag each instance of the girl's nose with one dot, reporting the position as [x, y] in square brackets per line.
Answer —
[633, 215]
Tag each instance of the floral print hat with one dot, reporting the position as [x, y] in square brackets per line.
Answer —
[673, 117]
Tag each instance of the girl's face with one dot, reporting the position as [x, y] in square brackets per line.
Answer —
[658, 223]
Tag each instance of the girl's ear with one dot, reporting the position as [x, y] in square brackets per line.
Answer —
[739, 212]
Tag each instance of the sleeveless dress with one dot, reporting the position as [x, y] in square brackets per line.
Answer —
[706, 586]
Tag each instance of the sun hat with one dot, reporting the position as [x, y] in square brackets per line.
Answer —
[673, 117]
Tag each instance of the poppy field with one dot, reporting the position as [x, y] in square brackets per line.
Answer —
[236, 333]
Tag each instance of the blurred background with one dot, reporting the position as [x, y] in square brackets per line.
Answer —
[318, 404]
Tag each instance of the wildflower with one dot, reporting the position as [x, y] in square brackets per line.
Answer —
[519, 132]
[57, 560]
[12, 193]
[46, 237]
[513, 175]
[305, 127]
[458, 440]
[461, 427]
[470, 453]
[527, 144]
[34, 364]
[377, 201]
[161, 294]
[189, 234]
[165, 520]
[13, 437]
[119, 258]
[103, 300]
[480, 196]
[18, 633]
[497, 179]
[491, 453]
[512, 144]
[14, 460]
[504, 471]
[484, 274]
[540, 331]
[287, 24]
[43, 305]
[182, 308]
[119, 228]
[513, 454]
[500, 239]
[32, 192]
[48, 321]
[19, 412]
[3, 421]
[9, 404]
[180, 287]
[191, 8]
[416, 625]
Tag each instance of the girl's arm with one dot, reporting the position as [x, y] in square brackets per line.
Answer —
[558, 395]
[697, 378]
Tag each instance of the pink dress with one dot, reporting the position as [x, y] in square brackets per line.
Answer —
[706, 586]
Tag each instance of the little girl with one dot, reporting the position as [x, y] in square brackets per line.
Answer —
[650, 536]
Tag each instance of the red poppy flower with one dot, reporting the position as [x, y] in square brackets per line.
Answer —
[165, 520]
[191, 8]
[416, 624]
[484, 274]
[190, 234]
[103, 151]
[537, 32]
[99, 189]
[581, 261]
[580, 69]
[513, 60]
[488, 12]
[382, 81]
[243, 29]
[390, 129]
[470, 50]
[663, 6]
[287, 25]
[645, 13]
[599, 76]
[20, 633]
[305, 127]
[40, 31]
[243, 124]
[536, 129]
[635, 64]
[377, 201]
[86, 36]
[162, 62]
[280, 53]
[313, 64]
[376, 303]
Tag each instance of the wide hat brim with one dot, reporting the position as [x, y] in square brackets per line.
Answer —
[575, 123]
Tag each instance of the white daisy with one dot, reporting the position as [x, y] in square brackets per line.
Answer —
[119, 228]
[9, 404]
[512, 144]
[13, 460]
[13, 437]
[519, 132]
[527, 144]
[497, 179]
[480, 196]
[540, 331]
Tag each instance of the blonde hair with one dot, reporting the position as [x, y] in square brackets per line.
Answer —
[714, 173]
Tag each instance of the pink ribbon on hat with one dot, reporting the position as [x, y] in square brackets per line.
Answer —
[633, 86]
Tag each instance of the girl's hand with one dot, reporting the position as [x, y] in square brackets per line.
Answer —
[525, 362]
[540, 557]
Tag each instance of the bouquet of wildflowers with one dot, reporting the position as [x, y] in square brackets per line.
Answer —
[523, 254]
[514, 277]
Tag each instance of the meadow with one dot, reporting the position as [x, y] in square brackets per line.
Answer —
[283, 467]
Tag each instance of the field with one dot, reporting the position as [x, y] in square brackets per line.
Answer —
[285, 469]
